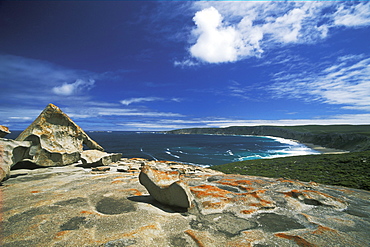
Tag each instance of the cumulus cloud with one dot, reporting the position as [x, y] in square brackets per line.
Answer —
[218, 42]
[73, 88]
[226, 32]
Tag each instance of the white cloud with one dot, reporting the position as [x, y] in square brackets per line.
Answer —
[139, 100]
[73, 88]
[146, 99]
[229, 32]
[353, 15]
[132, 112]
[170, 124]
[345, 83]
[216, 41]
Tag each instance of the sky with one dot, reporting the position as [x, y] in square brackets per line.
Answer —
[163, 65]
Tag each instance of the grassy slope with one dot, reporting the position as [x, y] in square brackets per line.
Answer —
[349, 169]
[325, 129]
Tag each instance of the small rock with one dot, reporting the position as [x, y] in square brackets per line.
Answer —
[101, 168]
[95, 158]
[4, 131]
[166, 187]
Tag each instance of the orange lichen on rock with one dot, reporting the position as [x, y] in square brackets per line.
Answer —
[205, 190]
[213, 205]
[250, 211]
[62, 233]
[139, 230]
[297, 239]
[134, 192]
[237, 184]
[254, 199]
[202, 239]
[323, 229]
[118, 182]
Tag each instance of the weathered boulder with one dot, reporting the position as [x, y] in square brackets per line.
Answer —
[93, 158]
[56, 139]
[166, 187]
[4, 131]
[11, 152]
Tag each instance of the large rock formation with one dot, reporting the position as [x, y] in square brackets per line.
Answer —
[73, 206]
[11, 152]
[56, 139]
[4, 131]
[166, 187]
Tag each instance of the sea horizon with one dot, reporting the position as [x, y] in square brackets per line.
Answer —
[195, 149]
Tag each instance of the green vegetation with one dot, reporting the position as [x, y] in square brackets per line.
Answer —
[349, 169]
[352, 138]
[326, 129]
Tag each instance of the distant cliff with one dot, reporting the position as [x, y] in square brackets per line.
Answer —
[349, 141]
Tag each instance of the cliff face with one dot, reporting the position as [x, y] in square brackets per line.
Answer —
[344, 141]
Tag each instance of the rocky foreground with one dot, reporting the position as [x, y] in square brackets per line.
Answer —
[107, 206]
[56, 193]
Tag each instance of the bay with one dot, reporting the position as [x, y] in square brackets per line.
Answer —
[203, 150]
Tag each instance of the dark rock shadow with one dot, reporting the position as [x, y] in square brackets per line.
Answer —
[26, 165]
[150, 200]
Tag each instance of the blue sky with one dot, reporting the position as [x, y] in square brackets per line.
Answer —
[144, 65]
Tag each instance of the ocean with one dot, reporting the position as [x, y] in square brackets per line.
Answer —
[203, 150]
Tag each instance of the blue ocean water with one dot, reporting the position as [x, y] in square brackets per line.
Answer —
[205, 150]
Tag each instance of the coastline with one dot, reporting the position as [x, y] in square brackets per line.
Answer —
[324, 150]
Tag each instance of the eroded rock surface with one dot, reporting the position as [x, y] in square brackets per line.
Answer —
[10, 153]
[4, 131]
[56, 139]
[93, 158]
[75, 206]
[166, 187]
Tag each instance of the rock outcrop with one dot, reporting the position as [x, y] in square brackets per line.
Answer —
[73, 206]
[4, 131]
[56, 139]
[94, 158]
[166, 187]
[11, 152]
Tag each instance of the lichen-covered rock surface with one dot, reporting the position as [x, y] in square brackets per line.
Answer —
[56, 139]
[166, 187]
[4, 131]
[75, 206]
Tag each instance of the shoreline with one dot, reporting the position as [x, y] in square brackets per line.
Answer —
[318, 148]
[324, 150]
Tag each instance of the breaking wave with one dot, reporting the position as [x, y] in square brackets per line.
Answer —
[204, 150]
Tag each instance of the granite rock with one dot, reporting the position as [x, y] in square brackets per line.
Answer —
[93, 158]
[73, 206]
[4, 131]
[11, 152]
[56, 139]
[166, 187]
